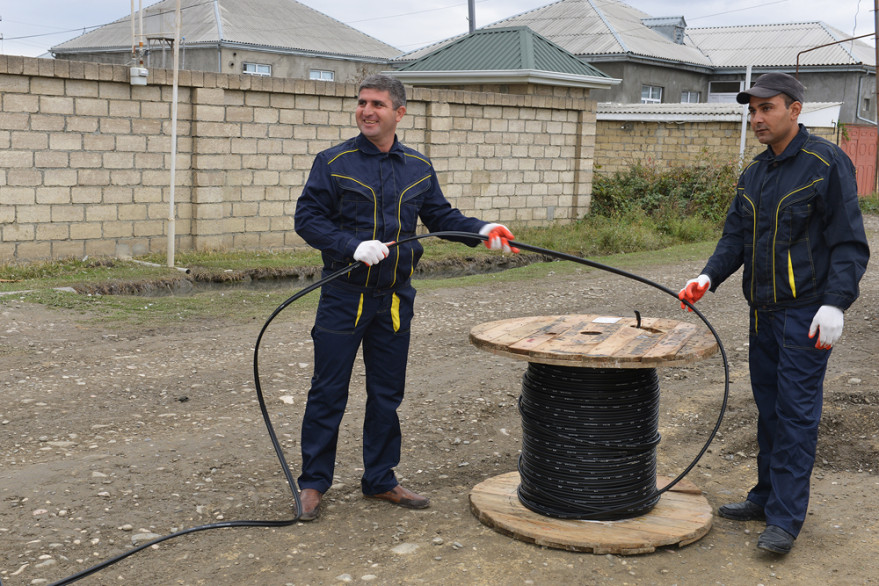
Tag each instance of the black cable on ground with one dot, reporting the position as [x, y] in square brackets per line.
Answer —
[277, 446]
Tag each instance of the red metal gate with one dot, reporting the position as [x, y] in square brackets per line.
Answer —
[859, 143]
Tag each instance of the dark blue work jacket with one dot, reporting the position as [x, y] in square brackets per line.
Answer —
[355, 192]
[796, 226]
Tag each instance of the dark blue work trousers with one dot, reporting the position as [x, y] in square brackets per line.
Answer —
[787, 379]
[346, 318]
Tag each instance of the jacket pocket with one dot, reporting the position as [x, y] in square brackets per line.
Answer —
[357, 207]
[795, 268]
[411, 200]
[794, 219]
[797, 279]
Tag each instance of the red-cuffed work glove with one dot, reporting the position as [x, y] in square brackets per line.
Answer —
[498, 237]
[694, 290]
[371, 252]
[827, 323]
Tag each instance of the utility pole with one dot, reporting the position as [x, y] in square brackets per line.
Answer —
[471, 10]
[876, 92]
[172, 214]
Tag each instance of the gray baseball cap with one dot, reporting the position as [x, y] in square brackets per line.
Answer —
[772, 84]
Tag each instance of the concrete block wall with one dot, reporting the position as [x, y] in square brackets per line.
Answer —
[85, 156]
[620, 144]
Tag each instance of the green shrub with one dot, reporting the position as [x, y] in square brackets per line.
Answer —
[870, 203]
[669, 195]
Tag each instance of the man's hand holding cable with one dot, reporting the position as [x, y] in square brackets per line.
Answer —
[498, 237]
[371, 252]
[694, 290]
[828, 322]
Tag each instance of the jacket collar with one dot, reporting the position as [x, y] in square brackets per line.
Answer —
[366, 147]
[791, 150]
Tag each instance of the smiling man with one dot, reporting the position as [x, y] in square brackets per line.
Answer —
[796, 226]
[362, 196]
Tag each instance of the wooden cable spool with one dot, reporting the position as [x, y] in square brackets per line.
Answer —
[682, 515]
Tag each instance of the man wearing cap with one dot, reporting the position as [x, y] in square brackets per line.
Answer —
[795, 225]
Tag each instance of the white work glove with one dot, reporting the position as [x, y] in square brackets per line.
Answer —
[499, 237]
[371, 252]
[827, 322]
[694, 290]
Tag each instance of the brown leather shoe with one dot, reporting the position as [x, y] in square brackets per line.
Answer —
[402, 497]
[309, 498]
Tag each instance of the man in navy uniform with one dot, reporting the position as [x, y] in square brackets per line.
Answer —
[796, 227]
[360, 196]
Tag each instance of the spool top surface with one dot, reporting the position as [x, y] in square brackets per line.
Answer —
[595, 341]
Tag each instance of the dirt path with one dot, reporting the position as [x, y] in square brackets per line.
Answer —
[110, 436]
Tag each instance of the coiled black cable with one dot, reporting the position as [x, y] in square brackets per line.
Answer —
[341, 272]
[589, 439]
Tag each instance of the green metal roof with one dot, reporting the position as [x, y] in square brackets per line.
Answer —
[503, 49]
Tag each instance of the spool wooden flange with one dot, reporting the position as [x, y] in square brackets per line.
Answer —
[682, 516]
[595, 341]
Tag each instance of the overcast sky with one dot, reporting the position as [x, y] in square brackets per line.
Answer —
[408, 25]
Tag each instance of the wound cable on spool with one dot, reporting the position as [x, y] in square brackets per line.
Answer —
[589, 439]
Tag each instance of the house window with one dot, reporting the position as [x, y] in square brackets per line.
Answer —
[321, 75]
[651, 94]
[723, 91]
[688, 97]
[257, 69]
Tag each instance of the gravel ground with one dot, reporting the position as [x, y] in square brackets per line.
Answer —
[112, 436]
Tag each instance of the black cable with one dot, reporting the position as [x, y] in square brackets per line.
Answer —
[589, 438]
[277, 446]
[274, 438]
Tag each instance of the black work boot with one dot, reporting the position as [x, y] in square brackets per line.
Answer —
[744, 511]
[776, 540]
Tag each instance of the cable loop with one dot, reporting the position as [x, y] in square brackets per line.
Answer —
[344, 271]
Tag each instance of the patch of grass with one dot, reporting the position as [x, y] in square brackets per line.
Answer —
[235, 304]
[63, 272]
[239, 303]
[239, 260]
[634, 231]
[869, 203]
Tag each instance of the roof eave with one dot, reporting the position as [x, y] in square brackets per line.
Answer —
[676, 113]
[525, 76]
[239, 45]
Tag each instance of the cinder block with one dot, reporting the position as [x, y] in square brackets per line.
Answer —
[45, 86]
[52, 231]
[13, 121]
[12, 84]
[68, 249]
[85, 231]
[17, 232]
[31, 251]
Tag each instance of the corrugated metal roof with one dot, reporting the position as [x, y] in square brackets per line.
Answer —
[603, 28]
[277, 24]
[664, 21]
[813, 113]
[778, 45]
[513, 48]
[608, 110]
[589, 28]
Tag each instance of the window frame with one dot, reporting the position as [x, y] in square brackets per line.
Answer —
[262, 69]
[322, 75]
[651, 89]
[690, 94]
